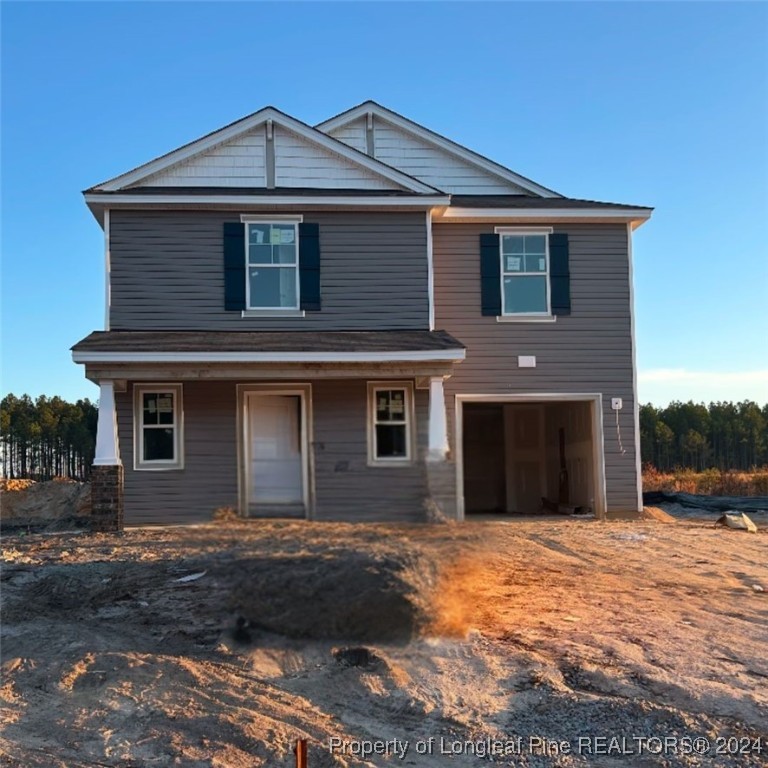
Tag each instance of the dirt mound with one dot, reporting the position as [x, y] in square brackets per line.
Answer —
[54, 503]
[345, 594]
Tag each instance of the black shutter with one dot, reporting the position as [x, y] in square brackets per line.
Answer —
[234, 266]
[309, 267]
[559, 274]
[490, 275]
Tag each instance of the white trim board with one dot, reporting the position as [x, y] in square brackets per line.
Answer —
[430, 273]
[248, 123]
[437, 140]
[238, 201]
[636, 403]
[598, 437]
[447, 355]
[634, 216]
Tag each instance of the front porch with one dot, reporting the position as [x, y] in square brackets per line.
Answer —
[355, 438]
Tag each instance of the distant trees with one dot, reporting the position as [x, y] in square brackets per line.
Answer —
[48, 437]
[723, 435]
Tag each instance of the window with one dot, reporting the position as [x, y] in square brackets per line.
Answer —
[525, 273]
[158, 427]
[271, 251]
[389, 423]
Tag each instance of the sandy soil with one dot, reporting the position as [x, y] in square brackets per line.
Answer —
[564, 630]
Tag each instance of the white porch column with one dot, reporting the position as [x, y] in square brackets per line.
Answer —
[438, 423]
[107, 449]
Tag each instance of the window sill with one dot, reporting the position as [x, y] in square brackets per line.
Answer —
[158, 468]
[526, 318]
[390, 463]
[273, 313]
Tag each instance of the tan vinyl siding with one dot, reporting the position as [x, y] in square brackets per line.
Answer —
[588, 351]
[346, 487]
[167, 272]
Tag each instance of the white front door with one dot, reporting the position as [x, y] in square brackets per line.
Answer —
[276, 470]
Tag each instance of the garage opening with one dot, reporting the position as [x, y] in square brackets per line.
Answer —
[529, 457]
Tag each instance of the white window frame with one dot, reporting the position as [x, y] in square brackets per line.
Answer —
[247, 220]
[410, 419]
[521, 231]
[139, 462]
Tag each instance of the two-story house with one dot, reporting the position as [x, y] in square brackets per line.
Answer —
[348, 320]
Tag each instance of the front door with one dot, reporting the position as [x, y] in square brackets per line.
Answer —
[275, 461]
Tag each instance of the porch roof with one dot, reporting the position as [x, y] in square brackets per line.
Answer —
[267, 346]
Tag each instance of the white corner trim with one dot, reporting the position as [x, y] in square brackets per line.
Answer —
[447, 355]
[247, 218]
[636, 403]
[526, 319]
[522, 215]
[239, 201]
[107, 272]
[430, 272]
[248, 123]
[447, 145]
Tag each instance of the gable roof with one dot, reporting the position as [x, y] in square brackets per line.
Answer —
[450, 148]
[352, 159]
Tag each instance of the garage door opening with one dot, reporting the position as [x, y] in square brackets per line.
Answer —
[522, 458]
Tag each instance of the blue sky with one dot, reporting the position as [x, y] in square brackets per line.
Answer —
[659, 104]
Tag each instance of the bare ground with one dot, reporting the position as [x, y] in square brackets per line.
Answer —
[547, 628]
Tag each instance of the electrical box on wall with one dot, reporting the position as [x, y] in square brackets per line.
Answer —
[616, 403]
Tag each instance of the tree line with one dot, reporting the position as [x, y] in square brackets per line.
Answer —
[721, 435]
[47, 437]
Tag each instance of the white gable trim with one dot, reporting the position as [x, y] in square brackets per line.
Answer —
[371, 107]
[249, 123]
[138, 200]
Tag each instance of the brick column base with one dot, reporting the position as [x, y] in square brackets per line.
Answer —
[107, 497]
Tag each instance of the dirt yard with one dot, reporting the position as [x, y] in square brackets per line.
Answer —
[543, 642]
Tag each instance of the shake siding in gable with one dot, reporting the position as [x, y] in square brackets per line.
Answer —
[433, 165]
[300, 163]
[167, 272]
[238, 163]
[589, 351]
[353, 134]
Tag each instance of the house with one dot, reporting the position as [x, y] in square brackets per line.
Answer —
[347, 320]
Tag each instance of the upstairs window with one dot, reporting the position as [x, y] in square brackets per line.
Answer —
[272, 265]
[525, 274]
